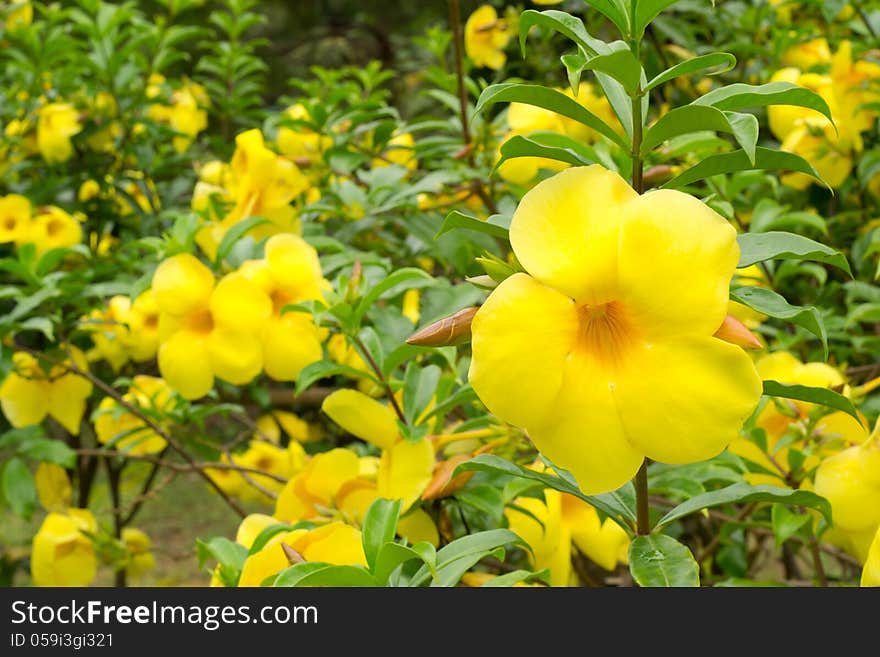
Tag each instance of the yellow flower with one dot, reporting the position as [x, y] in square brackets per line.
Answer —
[871, 571]
[289, 274]
[186, 115]
[334, 543]
[52, 228]
[108, 329]
[850, 481]
[853, 85]
[406, 467]
[808, 54]
[598, 104]
[207, 330]
[21, 16]
[485, 37]
[603, 541]
[598, 351]
[15, 218]
[29, 394]
[546, 534]
[251, 526]
[142, 338]
[88, 190]
[57, 123]
[53, 487]
[410, 308]
[271, 459]
[815, 140]
[400, 150]
[784, 119]
[61, 553]
[129, 433]
[140, 558]
[301, 142]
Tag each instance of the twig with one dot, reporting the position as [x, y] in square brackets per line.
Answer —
[382, 380]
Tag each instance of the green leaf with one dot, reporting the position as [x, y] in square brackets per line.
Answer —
[742, 96]
[765, 158]
[519, 146]
[398, 281]
[745, 130]
[692, 118]
[379, 527]
[323, 369]
[497, 225]
[52, 451]
[723, 59]
[785, 523]
[455, 559]
[660, 560]
[778, 245]
[772, 304]
[515, 577]
[235, 233]
[824, 396]
[566, 24]
[17, 486]
[744, 493]
[646, 11]
[392, 555]
[619, 64]
[550, 99]
[266, 535]
[312, 573]
[484, 497]
[614, 10]
[420, 385]
[611, 504]
[230, 557]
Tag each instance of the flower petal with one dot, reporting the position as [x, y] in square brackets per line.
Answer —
[239, 304]
[185, 365]
[521, 337]
[685, 399]
[67, 400]
[295, 265]
[290, 342]
[565, 231]
[24, 401]
[405, 470]
[235, 357]
[584, 433]
[182, 284]
[363, 417]
[677, 257]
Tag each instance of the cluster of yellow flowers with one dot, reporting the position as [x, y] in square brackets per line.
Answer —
[846, 86]
[124, 330]
[256, 183]
[184, 112]
[46, 227]
[69, 544]
[236, 327]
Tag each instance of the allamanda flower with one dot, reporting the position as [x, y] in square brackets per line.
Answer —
[127, 432]
[15, 218]
[871, 570]
[57, 123]
[207, 330]
[30, 393]
[598, 351]
[62, 554]
[485, 37]
[53, 228]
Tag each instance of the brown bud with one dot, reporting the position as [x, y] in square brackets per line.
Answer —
[443, 483]
[735, 332]
[452, 330]
[293, 557]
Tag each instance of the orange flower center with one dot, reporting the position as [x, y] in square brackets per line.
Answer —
[606, 332]
[9, 223]
[201, 321]
[54, 227]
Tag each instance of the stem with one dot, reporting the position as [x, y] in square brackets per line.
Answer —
[817, 562]
[643, 516]
[378, 370]
[637, 164]
[455, 20]
[113, 479]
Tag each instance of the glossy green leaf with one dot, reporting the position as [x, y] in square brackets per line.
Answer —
[516, 577]
[685, 120]
[723, 61]
[17, 487]
[824, 396]
[786, 523]
[324, 369]
[657, 560]
[519, 146]
[497, 225]
[611, 504]
[325, 574]
[744, 493]
[379, 527]
[765, 158]
[779, 245]
[455, 559]
[566, 24]
[399, 280]
[743, 96]
[235, 233]
[647, 11]
[772, 304]
[550, 99]
[393, 555]
[619, 64]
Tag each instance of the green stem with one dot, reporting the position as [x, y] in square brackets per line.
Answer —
[643, 515]
[457, 40]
